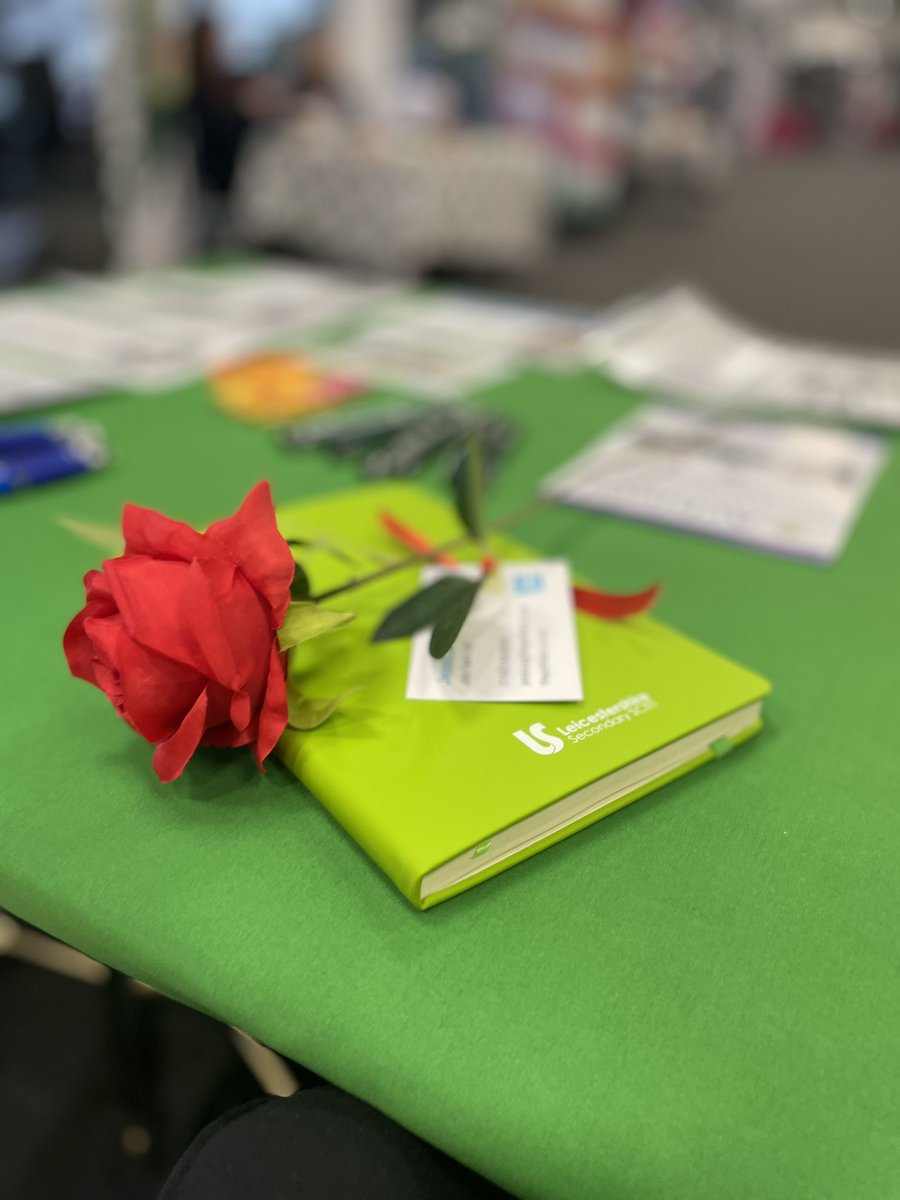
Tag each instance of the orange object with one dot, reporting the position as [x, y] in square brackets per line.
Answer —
[269, 389]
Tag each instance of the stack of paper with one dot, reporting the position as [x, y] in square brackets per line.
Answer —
[445, 344]
[160, 329]
[789, 489]
[680, 344]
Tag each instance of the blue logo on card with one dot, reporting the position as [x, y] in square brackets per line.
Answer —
[527, 583]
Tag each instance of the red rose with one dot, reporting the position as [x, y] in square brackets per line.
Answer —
[180, 631]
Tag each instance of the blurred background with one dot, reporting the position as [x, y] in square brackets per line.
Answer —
[568, 150]
[576, 148]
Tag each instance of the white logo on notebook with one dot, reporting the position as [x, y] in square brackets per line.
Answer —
[539, 740]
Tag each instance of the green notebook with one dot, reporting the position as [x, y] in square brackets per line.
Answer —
[443, 796]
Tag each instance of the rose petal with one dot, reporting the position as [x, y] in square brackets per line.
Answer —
[171, 756]
[103, 634]
[240, 711]
[97, 590]
[218, 705]
[149, 532]
[230, 625]
[273, 716]
[252, 538]
[78, 649]
[224, 619]
[226, 736]
[156, 692]
[204, 615]
[149, 596]
[76, 644]
[108, 683]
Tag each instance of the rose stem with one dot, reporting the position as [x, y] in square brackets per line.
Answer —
[505, 522]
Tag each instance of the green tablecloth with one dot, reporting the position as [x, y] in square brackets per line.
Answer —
[695, 999]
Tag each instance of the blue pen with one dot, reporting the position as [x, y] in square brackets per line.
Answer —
[34, 455]
[25, 438]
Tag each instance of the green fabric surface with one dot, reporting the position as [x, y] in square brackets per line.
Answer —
[695, 999]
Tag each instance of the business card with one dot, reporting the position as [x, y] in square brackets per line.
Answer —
[519, 642]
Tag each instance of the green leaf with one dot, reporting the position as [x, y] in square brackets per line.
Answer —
[448, 625]
[107, 537]
[423, 608]
[304, 713]
[300, 588]
[468, 486]
[306, 620]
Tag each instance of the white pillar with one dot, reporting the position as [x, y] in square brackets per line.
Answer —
[121, 125]
[371, 48]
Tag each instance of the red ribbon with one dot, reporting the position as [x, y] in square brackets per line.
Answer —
[609, 606]
[412, 538]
